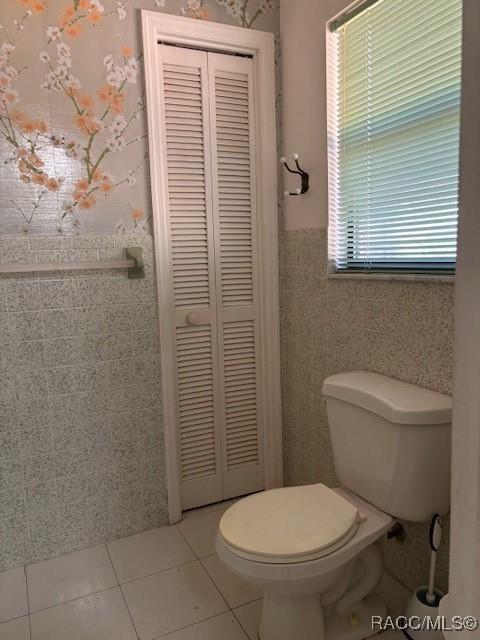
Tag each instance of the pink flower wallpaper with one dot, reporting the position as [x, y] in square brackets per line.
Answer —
[73, 132]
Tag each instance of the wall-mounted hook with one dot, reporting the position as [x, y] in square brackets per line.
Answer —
[305, 177]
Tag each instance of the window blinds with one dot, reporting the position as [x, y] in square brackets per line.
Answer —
[394, 127]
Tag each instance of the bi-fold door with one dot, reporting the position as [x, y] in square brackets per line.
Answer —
[209, 133]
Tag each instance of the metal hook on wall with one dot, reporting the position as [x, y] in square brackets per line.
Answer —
[305, 177]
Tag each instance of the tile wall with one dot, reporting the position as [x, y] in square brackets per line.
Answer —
[81, 435]
[400, 329]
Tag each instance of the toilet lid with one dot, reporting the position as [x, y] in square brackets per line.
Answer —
[289, 522]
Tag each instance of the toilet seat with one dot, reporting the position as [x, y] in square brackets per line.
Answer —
[291, 524]
[372, 525]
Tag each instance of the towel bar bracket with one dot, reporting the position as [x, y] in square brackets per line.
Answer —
[135, 253]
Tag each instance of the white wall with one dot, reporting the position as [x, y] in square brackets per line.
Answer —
[465, 532]
[302, 30]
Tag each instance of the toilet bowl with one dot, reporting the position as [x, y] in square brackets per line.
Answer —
[314, 550]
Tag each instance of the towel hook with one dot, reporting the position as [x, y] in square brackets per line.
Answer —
[305, 177]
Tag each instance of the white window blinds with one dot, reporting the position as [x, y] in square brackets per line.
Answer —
[394, 127]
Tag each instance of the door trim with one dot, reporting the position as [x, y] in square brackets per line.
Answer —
[159, 27]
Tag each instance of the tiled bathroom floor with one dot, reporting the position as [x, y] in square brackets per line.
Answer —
[167, 583]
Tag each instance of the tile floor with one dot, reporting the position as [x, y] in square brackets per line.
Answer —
[167, 583]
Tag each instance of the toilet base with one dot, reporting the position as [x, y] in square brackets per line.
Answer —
[304, 619]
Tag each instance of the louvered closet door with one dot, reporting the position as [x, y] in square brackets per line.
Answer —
[190, 216]
[210, 178]
[233, 171]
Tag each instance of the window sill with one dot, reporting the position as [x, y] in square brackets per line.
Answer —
[394, 277]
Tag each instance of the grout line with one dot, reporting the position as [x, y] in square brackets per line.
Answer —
[23, 615]
[238, 619]
[155, 573]
[215, 555]
[104, 545]
[85, 595]
[186, 542]
[123, 595]
[198, 559]
[229, 608]
[28, 602]
[215, 584]
[193, 624]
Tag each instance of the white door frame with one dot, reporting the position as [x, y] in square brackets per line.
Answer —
[160, 27]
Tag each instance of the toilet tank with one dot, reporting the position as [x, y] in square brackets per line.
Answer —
[391, 442]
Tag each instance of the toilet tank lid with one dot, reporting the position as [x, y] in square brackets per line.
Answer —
[392, 399]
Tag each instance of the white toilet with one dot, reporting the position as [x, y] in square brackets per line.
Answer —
[314, 550]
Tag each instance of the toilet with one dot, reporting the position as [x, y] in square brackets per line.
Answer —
[314, 551]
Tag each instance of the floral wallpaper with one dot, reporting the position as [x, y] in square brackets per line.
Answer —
[73, 147]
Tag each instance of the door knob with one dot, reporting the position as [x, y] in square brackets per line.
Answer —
[194, 318]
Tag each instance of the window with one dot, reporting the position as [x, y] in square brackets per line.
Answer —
[394, 129]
